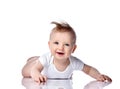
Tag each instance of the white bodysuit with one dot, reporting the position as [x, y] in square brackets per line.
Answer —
[50, 70]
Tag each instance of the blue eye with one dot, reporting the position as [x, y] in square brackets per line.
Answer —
[56, 43]
[67, 44]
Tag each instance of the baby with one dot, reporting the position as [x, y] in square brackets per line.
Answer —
[59, 63]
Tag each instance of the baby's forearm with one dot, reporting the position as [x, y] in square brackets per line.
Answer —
[98, 76]
[91, 71]
[94, 73]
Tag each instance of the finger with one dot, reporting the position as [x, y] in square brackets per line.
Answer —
[40, 79]
[37, 80]
[107, 79]
[45, 78]
[101, 78]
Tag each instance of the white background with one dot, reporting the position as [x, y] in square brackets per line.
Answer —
[25, 27]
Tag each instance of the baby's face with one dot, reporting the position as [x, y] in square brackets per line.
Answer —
[61, 45]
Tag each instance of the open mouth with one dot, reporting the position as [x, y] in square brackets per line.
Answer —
[60, 53]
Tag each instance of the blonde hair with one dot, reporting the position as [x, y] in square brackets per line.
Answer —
[63, 27]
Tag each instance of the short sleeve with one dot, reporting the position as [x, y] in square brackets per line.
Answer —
[77, 64]
[45, 59]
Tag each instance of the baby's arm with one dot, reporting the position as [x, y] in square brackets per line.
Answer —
[95, 73]
[32, 69]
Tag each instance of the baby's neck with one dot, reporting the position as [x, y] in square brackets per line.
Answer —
[61, 65]
[61, 62]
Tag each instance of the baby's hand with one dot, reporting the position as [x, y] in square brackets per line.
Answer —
[104, 78]
[37, 77]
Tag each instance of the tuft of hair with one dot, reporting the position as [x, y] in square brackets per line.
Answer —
[64, 27]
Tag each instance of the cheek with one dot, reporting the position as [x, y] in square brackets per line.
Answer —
[69, 50]
[52, 47]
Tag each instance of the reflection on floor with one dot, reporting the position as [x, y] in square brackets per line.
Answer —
[96, 85]
[28, 83]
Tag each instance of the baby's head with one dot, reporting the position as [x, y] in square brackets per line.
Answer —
[64, 27]
[62, 40]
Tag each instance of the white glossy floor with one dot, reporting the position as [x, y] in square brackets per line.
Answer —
[61, 84]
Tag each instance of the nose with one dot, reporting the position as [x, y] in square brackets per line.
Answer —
[61, 47]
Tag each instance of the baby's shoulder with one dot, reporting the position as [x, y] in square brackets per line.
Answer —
[73, 58]
[33, 58]
[46, 57]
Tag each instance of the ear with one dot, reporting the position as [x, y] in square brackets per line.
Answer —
[49, 44]
[74, 47]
